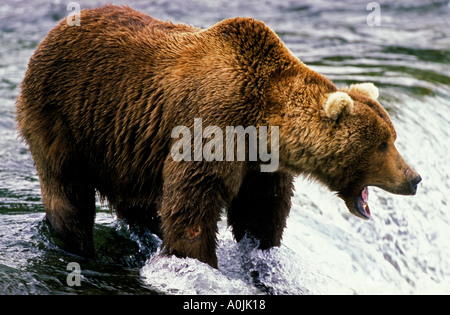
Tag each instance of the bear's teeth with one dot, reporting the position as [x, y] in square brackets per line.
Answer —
[366, 209]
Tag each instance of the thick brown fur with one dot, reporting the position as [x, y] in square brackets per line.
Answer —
[99, 102]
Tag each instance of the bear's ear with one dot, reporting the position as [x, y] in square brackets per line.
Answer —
[368, 89]
[337, 103]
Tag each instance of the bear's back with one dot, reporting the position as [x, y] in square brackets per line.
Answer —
[124, 17]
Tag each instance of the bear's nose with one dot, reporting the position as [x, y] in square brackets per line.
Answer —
[414, 182]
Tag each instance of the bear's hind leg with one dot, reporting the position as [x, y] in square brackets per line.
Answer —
[70, 209]
[261, 207]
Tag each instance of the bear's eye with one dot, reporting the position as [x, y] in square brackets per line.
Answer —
[383, 147]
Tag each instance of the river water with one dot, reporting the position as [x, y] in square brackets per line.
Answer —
[403, 249]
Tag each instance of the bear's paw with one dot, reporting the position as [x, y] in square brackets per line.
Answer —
[337, 103]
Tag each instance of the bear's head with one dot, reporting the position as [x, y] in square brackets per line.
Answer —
[345, 139]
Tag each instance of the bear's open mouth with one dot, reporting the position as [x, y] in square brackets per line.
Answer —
[361, 203]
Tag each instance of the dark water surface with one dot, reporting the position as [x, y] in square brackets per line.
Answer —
[403, 249]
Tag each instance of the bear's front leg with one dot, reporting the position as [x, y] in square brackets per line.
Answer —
[261, 207]
[194, 195]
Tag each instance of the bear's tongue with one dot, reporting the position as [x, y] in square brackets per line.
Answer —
[361, 203]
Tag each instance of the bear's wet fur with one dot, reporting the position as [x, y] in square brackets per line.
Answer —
[99, 101]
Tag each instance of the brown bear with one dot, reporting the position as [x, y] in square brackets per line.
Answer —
[99, 103]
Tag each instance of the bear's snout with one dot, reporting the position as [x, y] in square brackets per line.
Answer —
[414, 180]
